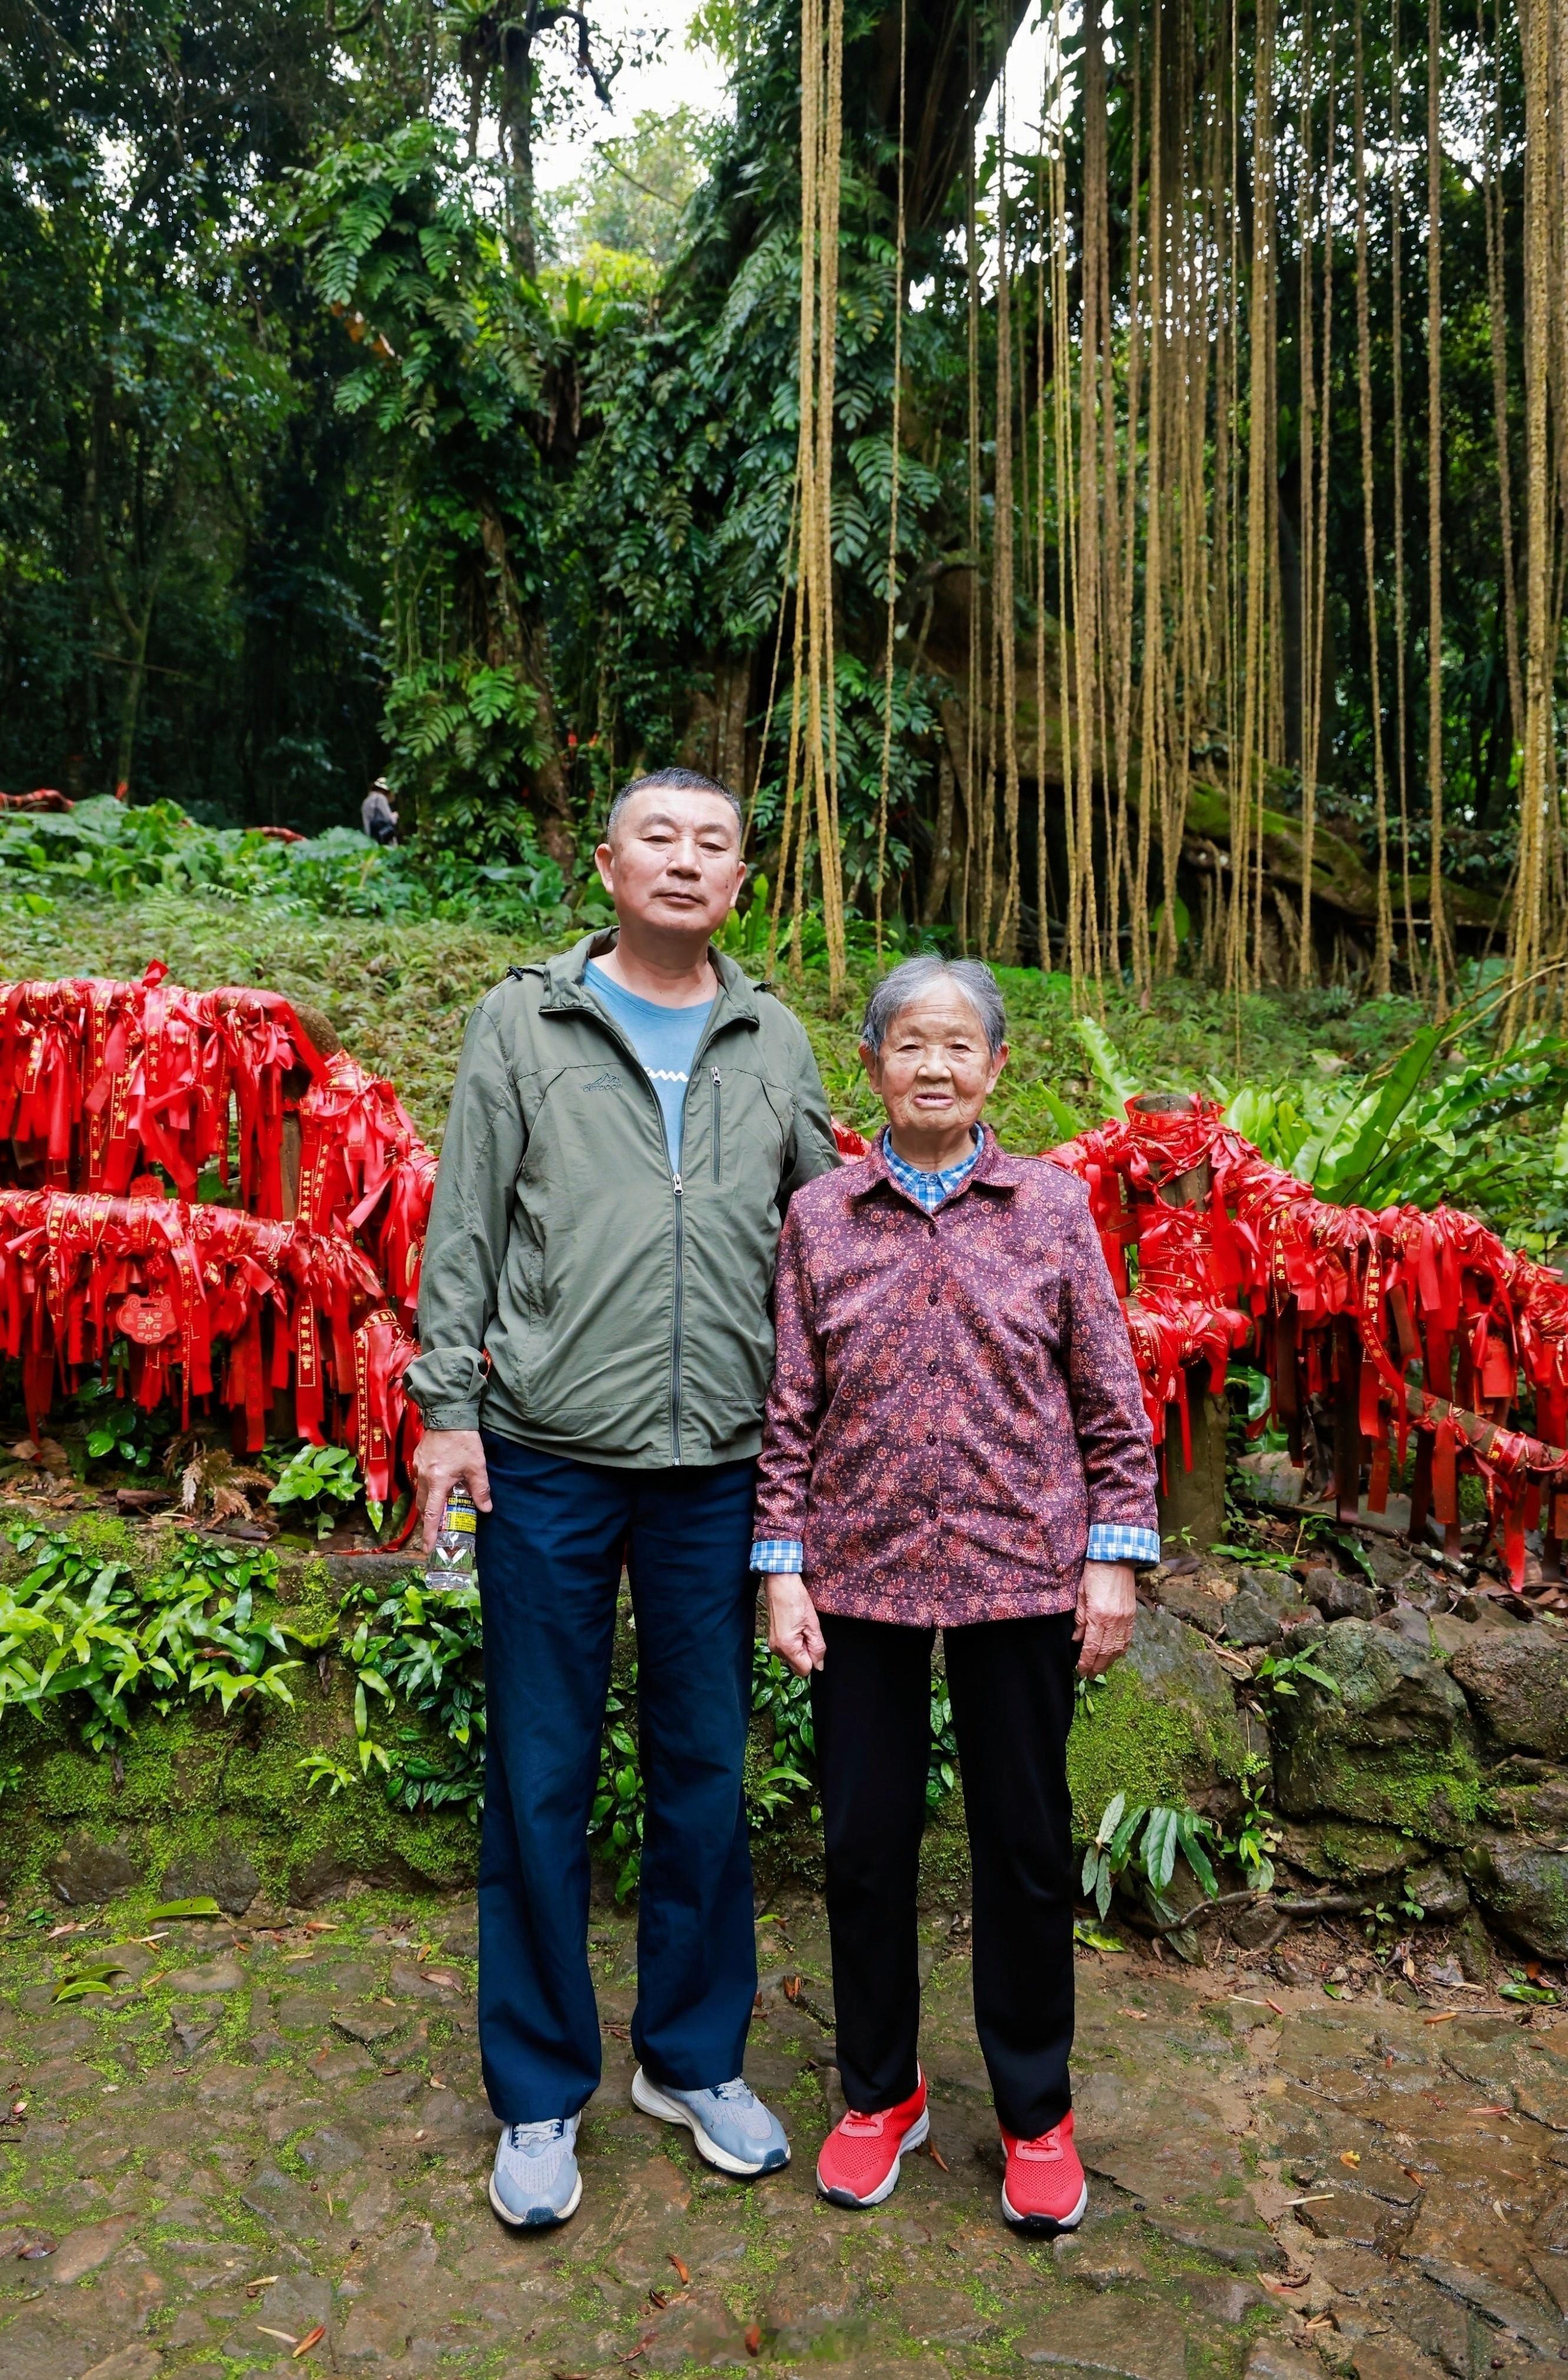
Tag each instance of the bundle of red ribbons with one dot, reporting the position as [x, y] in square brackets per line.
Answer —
[304, 1290]
[1373, 1327]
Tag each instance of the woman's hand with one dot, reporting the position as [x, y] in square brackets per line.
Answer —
[794, 1632]
[1107, 1607]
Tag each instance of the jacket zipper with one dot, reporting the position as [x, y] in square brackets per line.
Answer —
[675, 1333]
[597, 1013]
[717, 1140]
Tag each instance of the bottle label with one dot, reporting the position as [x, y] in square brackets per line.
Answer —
[460, 1517]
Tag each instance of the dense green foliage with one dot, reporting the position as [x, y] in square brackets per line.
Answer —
[329, 448]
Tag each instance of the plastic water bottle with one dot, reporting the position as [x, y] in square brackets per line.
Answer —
[452, 1556]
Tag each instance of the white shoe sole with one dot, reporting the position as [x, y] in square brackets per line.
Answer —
[918, 2133]
[540, 2222]
[1046, 2225]
[652, 2101]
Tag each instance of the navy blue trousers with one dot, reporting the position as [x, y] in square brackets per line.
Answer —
[550, 1557]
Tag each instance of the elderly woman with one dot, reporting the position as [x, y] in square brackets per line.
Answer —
[954, 1439]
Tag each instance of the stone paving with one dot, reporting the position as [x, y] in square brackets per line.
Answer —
[266, 2148]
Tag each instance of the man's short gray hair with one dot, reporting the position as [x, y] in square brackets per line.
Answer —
[675, 781]
[907, 983]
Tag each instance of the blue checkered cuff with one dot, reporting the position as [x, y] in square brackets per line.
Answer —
[780, 1554]
[1109, 1541]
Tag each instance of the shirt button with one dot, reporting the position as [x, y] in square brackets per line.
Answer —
[930, 1437]
[935, 1365]
[933, 1297]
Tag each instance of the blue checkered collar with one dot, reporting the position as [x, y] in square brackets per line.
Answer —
[987, 1168]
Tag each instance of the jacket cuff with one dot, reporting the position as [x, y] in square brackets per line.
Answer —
[450, 1417]
[1114, 1541]
[780, 1554]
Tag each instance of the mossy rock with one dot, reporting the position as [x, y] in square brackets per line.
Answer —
[1524, 1887]
[191, 1786]
[1161, 1728]
[1517, 1679]
[1395, 1746]
[1338, 1850]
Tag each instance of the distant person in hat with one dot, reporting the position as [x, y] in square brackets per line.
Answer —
[376, 814]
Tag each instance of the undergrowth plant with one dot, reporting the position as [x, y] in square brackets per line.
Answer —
[79, 1631]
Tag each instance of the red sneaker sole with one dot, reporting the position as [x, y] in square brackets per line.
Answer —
[1045, 2227]
[917, 2132]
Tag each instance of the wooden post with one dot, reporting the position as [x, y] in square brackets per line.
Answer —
[1192, 1501]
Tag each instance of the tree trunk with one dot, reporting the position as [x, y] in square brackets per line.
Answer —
[516, 144]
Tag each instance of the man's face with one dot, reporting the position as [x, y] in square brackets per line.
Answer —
[674, 863]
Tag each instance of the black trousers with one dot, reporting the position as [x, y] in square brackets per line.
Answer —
[1010, 1685]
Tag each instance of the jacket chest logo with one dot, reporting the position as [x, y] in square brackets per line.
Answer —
[606, 1082]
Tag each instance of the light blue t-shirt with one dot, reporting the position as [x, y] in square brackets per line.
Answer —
[665, 1040]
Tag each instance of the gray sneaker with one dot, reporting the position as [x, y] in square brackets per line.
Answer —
[731, 2128]
[535, 2180]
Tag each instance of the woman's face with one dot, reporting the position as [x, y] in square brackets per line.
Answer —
[934, 1070]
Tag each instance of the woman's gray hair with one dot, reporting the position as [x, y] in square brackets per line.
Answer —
[907, 983]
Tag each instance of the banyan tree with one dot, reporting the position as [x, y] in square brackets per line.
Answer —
[1167, 557]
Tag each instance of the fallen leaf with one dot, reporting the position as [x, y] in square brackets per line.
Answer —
[1488, 2111]
[936, 2156]
[310, 2339]
[1140, 2016]
[1320, 2198]
[34, 2249]
[1350, 2157]
[660, 2298]
[204, 1906]
[288, 2337]
[680, 2269]
[263, 2281]
[1447, 2016]
[754, 2339]
[792, 1987]
[1275, 2006]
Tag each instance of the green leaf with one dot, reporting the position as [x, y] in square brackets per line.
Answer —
[1092, 1937]
[1160, 1848]
[87, 1980]
[1338, 1172]
[1518, 1987]
[1106, 1060]
[1062, 1119]
[200, 1907]
[1189, 1829]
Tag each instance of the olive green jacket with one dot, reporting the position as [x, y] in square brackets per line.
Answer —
[574, 1294]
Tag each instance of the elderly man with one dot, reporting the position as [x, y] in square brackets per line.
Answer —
[629, 1122]
[955, 1439]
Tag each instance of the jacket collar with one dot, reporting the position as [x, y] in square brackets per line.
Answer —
[565, 989]
[993, 1170]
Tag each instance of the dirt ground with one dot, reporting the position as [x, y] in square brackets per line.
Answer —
[266, 2145]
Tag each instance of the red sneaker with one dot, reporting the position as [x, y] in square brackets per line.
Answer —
[858, 2165]
[1044, 2191]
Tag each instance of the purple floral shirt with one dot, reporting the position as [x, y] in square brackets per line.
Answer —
[954, 1399]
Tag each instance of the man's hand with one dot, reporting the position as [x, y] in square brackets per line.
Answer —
[443, 1460]
[1107, 1607]
[794, 1632]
